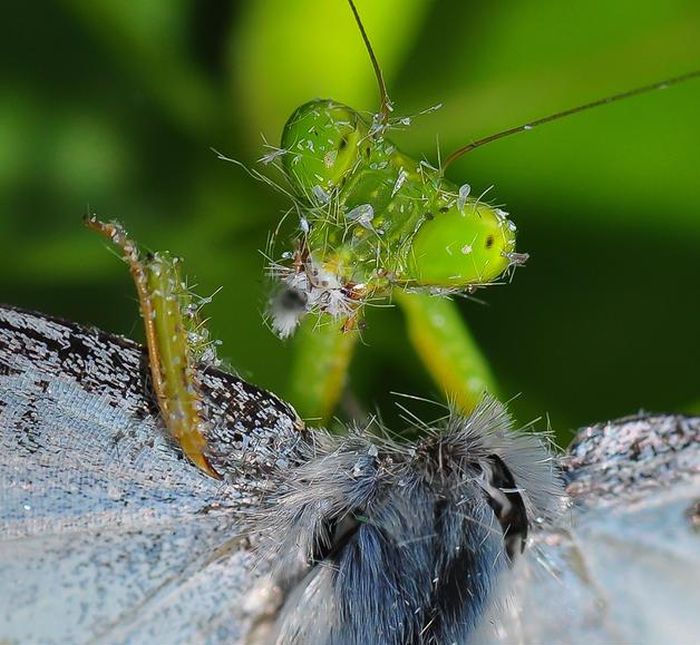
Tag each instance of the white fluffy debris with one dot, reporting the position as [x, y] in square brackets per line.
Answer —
[287, 309]
[310, 289]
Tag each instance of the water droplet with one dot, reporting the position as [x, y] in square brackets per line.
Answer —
[362, 214]
[321, 196]
[464, 191]
[400, 181]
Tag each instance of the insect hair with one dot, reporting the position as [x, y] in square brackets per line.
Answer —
[374, 539]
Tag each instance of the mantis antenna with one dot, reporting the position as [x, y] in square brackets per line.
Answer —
[385, 103]
[660, 85]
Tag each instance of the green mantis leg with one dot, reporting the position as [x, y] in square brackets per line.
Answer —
[323, 351]
[446, 347]
[437, 332]
[170, 323]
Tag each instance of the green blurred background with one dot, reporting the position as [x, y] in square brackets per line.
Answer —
[112, 106]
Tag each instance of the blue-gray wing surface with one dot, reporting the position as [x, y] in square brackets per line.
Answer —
[623, 565]
[106, 532]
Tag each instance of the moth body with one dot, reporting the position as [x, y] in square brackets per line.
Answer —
[375, 540]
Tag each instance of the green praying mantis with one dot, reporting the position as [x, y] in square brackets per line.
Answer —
[377, 224]
[374, 224]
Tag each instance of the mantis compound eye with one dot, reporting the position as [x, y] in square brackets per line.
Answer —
[462, 246]
[321, 143]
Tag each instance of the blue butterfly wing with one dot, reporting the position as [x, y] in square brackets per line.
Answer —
[106, 532]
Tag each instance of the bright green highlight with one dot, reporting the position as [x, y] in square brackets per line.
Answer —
[322, 144]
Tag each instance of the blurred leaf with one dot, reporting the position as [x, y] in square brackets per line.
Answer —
[87, 155]
[17, 117]
[150, 39]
